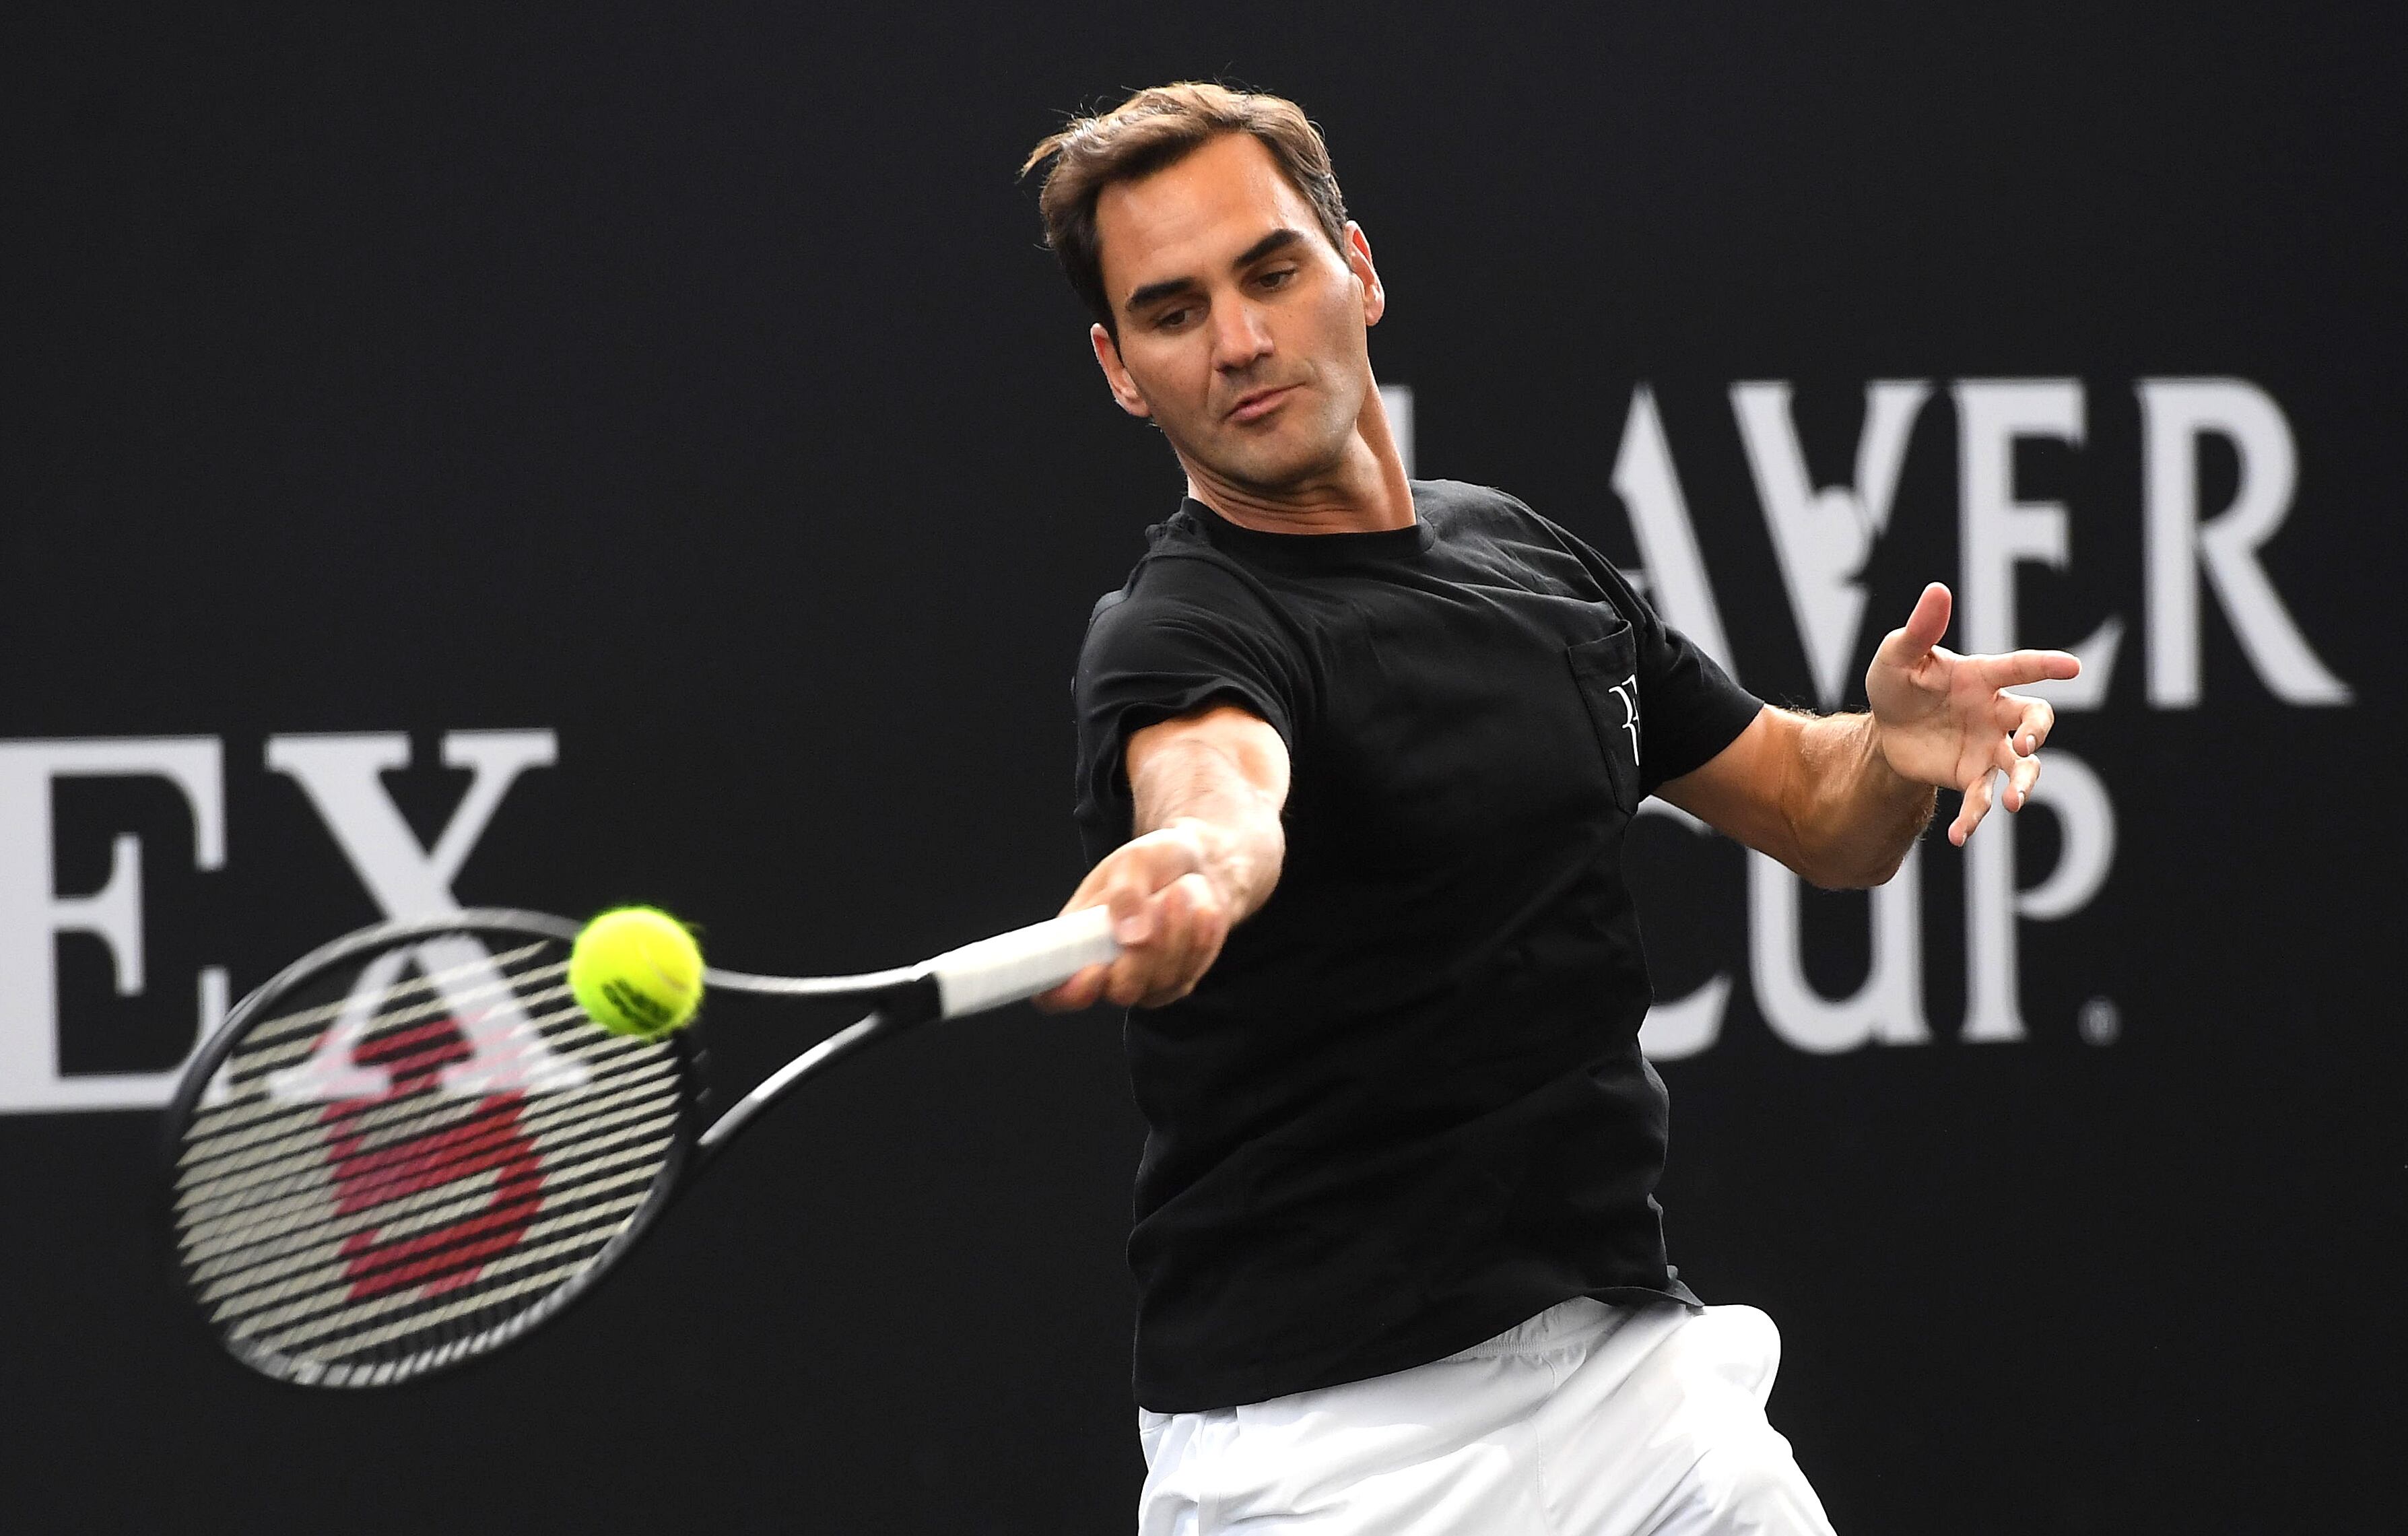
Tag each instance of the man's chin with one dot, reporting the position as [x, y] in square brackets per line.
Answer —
[1269, 469]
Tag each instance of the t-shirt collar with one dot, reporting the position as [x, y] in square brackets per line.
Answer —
[1309, 548]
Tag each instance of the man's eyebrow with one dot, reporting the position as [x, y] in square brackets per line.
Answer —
[1278, 240]
[1153, 291]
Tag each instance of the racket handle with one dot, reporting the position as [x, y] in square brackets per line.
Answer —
[1023, 962]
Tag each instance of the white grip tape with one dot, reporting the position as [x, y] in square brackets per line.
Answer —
[1023, 962]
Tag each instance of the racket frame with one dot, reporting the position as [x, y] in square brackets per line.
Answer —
[901, 1000]
[693, 1093]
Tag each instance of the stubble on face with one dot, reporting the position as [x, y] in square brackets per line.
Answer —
[1249, 348]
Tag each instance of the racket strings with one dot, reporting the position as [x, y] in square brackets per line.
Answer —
[468, 978]
[572, 1135]
[286, 1046]
[233, 1167]
[320, 1287]
[585, 1170]
[416, 1157]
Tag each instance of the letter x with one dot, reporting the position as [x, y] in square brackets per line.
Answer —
[340, 775]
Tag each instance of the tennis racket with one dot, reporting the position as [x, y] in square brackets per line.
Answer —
[411, 1147]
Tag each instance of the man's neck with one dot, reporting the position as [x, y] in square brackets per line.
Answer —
[1364, 491]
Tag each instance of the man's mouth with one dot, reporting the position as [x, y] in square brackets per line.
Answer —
[1256, 404]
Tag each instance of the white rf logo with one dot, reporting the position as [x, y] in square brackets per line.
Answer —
[1627, 691]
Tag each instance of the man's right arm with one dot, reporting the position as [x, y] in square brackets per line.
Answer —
[1208, 790]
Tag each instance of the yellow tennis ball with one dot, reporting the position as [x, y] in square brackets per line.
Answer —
[635, 971]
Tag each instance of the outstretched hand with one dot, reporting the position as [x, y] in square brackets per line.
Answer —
[1948, 720]
[1168, 916]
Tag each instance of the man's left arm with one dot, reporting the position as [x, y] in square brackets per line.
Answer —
[1842, 799]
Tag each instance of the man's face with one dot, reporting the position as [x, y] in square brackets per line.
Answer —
[1241, 330]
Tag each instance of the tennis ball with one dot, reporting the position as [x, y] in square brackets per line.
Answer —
[635, 971]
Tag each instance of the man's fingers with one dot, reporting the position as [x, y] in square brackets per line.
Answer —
[1079, 991]
[2022, 769]
[1132, 913]
[2017, 668]
[1194, 927]
[1208, 927]
[1914, 641]
[1186, 927]
[1185, 904]
[1165, 915]
[1160, 978]
[2020, 780]
[2027, 723]
[1140, 869]
[1143, 940]
[1136, 880]
[1978, 797]
[2025, 719]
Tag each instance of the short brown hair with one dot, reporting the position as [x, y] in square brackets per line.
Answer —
[1156, 128]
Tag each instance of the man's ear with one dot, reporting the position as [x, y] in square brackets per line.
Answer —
[1116, 373]
[1358, 261]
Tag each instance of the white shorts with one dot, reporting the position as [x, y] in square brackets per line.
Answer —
[1587, 1420]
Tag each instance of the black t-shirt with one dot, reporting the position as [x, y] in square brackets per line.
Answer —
[1406, 1109]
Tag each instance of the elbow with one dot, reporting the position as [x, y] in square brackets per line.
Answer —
[1833, 862]
[1849, 864]
[1855, 853]
[1860, 874]
[1834, 875]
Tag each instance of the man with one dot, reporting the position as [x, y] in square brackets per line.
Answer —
[1357, 758]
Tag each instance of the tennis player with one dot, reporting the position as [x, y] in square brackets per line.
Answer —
[1357, 758]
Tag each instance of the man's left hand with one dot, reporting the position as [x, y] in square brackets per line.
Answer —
[1948, 720]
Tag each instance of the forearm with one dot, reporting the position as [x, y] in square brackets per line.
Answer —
[1841, 799]
[1207, 792]
[1851, 816]
[1205, 789]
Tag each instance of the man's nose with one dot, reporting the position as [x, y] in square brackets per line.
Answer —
[1241, 337]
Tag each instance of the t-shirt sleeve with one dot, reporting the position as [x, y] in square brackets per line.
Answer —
[1184, 635]
[1689, 708]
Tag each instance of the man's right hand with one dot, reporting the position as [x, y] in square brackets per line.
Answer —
[1208, 790]
[1169, 918]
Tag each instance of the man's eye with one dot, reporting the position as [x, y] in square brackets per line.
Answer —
[1278, 279]
[1170, 320]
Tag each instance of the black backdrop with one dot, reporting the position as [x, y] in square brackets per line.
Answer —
[693, 389]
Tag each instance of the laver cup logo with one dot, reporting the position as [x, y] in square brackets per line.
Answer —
[2201, 564]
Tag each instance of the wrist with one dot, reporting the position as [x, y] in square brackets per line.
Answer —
[1877, 757]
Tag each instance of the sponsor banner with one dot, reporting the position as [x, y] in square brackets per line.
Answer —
[2204, 564]
[552, 466]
